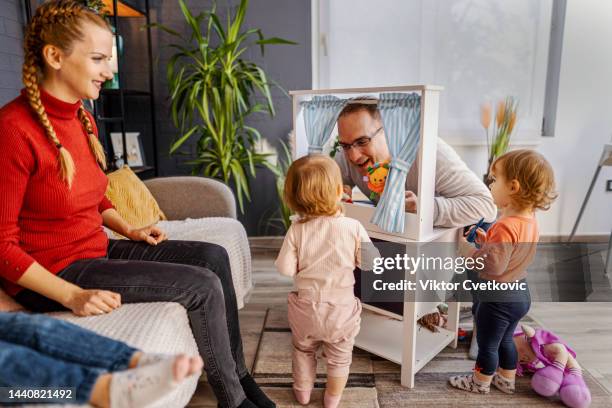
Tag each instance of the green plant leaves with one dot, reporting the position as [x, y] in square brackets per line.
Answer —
[212, 92]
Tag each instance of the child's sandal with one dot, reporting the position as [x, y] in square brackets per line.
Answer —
[468, 383]
[503, 384]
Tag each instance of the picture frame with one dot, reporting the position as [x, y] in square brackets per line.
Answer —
[135, 153]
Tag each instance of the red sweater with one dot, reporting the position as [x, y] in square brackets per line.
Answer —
[40, 218]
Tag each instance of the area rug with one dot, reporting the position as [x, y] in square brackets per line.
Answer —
[375, 382]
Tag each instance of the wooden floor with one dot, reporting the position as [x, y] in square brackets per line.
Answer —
[587, 327]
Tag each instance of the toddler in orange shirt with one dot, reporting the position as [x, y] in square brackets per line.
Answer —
[320, 251]
[522, 182]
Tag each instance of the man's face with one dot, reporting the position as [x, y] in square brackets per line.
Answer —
[358, 125]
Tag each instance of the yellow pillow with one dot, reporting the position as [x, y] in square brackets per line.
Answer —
[132, 199]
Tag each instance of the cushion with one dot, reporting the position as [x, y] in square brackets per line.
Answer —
[159, 327]
[131, 198]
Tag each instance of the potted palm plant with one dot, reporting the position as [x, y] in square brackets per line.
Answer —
[212, 92]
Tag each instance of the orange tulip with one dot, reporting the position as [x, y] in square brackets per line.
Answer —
[501, 110]
[485, 115]
[512, 121]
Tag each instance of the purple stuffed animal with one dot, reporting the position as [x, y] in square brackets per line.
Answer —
[553, 364]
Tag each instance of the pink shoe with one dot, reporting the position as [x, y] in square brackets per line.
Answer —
[547, 380]
[331, 401]
[574, 392]
[303, 397]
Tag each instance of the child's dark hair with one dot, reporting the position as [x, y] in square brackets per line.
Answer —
[534, 174]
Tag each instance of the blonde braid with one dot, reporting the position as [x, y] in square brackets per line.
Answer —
[94, 143]
[56, 16]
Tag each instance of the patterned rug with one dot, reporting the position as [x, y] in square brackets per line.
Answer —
[375, 382]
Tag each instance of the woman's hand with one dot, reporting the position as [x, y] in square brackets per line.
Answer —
[84, 302]
[152, 234]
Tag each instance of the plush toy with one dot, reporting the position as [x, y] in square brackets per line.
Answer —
[377, 177]
[553, 364]
[433, 321]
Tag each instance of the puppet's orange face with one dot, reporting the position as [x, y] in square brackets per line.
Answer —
[377, 179]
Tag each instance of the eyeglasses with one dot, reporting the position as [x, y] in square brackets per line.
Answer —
[363, 141]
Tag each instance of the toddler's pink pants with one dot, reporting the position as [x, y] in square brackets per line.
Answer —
[330, 319]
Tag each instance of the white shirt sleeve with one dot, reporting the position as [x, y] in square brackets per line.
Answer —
[365, 252]
[287, 260]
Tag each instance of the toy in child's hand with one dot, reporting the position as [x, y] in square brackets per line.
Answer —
[472, 235]
[554, 366]
[377, 177]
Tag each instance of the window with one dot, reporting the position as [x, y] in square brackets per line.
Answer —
[479, 50]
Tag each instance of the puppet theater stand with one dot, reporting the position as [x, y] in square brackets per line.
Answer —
[395, 337]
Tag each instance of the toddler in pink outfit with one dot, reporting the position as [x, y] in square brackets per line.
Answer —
[321, 250]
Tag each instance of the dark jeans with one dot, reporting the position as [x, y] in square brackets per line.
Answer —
[39, 351]
[195, 274]
[496, 322]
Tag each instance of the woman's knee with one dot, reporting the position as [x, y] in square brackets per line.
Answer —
[199, 278]
[217, 258]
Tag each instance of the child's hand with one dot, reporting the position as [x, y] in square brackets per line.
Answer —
[480, 235]
[464, 248]
[347, 194]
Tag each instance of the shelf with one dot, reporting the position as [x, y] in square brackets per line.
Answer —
[126, 92]
[126, 3]
[384, 337]
[142, 169]
[111, 119]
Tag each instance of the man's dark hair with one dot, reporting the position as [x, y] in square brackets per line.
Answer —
[370, 104]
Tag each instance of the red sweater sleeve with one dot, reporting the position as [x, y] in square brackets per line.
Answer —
[105, 204]
[16, 164]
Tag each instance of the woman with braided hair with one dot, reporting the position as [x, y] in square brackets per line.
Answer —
[54, 254]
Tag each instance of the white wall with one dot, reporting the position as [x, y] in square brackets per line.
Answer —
[583, 124]
[584, 120]
[584, 116]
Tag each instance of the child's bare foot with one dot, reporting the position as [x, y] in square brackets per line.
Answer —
[141, 359]
[181, 367]
[195, 365]
[303, 397]
[331, 401]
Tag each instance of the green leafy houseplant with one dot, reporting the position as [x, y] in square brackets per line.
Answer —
[278, 219]
[213, 91]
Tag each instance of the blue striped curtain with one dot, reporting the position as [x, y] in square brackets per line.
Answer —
[401, 117]
[320, 115]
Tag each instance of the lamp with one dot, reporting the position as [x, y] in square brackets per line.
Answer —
[124, 9]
